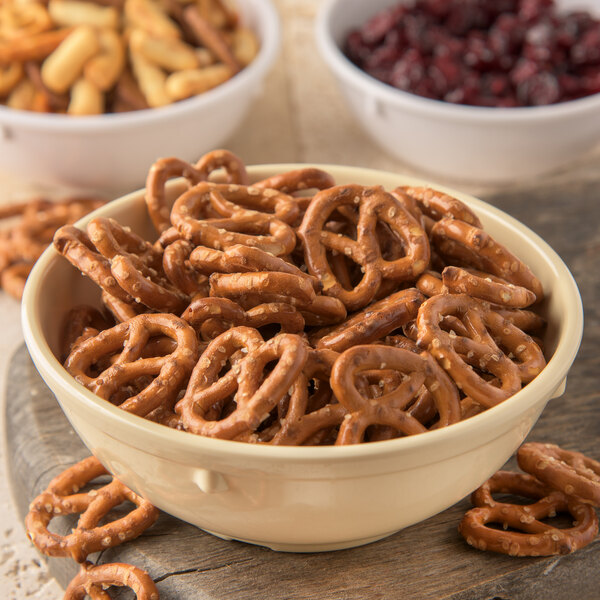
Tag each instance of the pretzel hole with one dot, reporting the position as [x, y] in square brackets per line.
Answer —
[346, 271]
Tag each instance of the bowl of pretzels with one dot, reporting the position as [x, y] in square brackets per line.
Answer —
[305, 357]
[91, 93]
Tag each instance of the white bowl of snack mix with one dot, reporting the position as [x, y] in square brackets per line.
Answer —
[257, 464]
[91, 94]
[488, 93]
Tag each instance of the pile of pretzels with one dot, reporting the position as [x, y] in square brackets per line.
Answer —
[87, 57]
[28, 231]
[295, 311]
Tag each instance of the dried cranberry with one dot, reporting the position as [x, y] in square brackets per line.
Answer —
[533, 10]
[445, 74]
[482, 52]
[587, 50]
[542, 88]
[408, 70]
[379, 25]
[478, 53]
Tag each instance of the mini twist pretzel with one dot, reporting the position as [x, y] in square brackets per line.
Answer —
[474, 247]
[255, 397]
[263, 286]
[531, 537]
[207, 390]
[243, 259]
[373, 204]
[78, 249]
[158, 175]
[128, 340]
[146, 285]
[570, 472]
[373, 322]
[456, 353]
[389, 409]
[213, 316]
[92, 580]
[111, 239]
[244, 226]
[62, 497]
[486, 287]
[307, 417]
[179, 270]
[437, 205]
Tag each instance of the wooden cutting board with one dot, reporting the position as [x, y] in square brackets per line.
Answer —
[428, 561]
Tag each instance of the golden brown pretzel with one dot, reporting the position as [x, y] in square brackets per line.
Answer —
[529, 535]
[179, 269]
[126, 342]
[372, 322]
[474, 247]
[111, 239]
[62, 497]
[572, 473]
[389, 409]
[78, 249]
[242, 259]
[81, 320]
[430, 284]
[437, 205]
[213, 316]
[253, 226]
[254, 398]
[457, 352]
[265, 286]
[373, 205]
[487, 287]
[92, 580]
[307, 418]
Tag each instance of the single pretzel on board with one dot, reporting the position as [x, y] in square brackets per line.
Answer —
[62, 497]
[528, 534]
[571, 472]
[92, 580]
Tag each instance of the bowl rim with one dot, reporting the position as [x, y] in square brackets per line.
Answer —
[547, 382]
[268, 17]
[343, 67]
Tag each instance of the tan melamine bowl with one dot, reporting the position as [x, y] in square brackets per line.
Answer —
[305, 498]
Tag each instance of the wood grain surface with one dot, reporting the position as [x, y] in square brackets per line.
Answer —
[427, 561]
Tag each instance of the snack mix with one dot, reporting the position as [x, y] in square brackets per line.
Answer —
[88, 57]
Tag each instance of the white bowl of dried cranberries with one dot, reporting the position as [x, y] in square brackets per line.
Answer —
[484, 91]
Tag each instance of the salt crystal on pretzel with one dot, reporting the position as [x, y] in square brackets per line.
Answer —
[529, 535]
[62, 497]
[92, 580]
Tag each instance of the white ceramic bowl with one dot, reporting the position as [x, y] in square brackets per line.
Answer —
[478, 144]
[112, 152]
[302, 498]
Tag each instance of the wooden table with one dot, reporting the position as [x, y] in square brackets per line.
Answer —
[301, 118]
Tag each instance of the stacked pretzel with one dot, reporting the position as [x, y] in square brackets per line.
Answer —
[66, 495]
[23, 241]
[558, 481]
[297, 311]
[84, 57]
